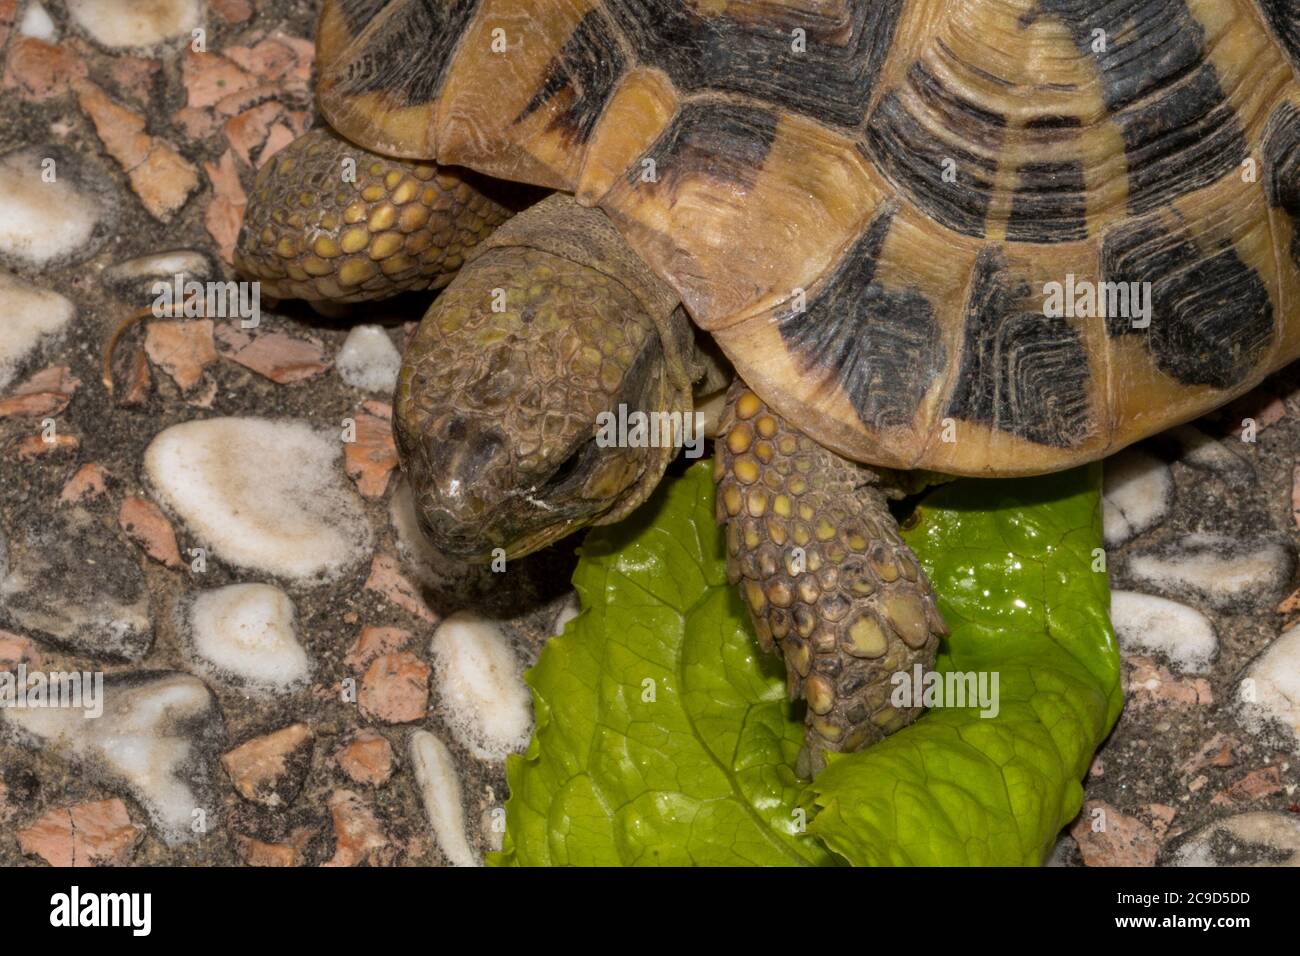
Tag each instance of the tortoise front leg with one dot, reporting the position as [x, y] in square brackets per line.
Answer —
[330, 222]
[825, 574]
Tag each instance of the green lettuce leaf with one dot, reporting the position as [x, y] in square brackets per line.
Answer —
[663, 735]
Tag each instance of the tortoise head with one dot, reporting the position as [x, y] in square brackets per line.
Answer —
[505, 398]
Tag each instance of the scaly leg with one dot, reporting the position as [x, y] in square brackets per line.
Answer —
[826, 577]
[330, 222]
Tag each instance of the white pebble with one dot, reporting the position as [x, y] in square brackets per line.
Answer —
[369, 360]
[67, 578]
[435, 773]
[44, 222]
[266, 495]
[246, 634]
[487, 704]
[156, 737]
[1217, 569]
[138, 275]
[1148, 624]
[1135, 495]
[1205, 451]
[29, 317]
[1270, 693]
[131, 24]
[1259, 838]
[37, 24]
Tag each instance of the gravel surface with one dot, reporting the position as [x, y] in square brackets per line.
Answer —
[253, 591]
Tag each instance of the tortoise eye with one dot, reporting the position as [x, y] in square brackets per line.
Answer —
[567, 467]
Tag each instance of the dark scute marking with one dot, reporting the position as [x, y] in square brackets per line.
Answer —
[1281, 152]
[1052, 121]
[1181, 142]
[1211, 316]
[983, 127]
[408, 53]
[914, 156]
[357, 13]
[831, 80]
[882, 344]
[1049, 201]
[1021, 372]
[1150, 44]
[589, 65]
[722, 141]
[1179, 132]
[1284, 17]
[1049, 204]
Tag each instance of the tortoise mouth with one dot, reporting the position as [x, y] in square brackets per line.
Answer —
[475, 542]
[542, 538]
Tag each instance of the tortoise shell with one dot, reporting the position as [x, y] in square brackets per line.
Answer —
[890, 213]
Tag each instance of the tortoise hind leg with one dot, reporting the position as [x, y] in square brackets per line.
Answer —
[825, 574]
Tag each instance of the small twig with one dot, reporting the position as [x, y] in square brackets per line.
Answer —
[139, 315]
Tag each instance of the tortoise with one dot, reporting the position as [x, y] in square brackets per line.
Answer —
[930, 237]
